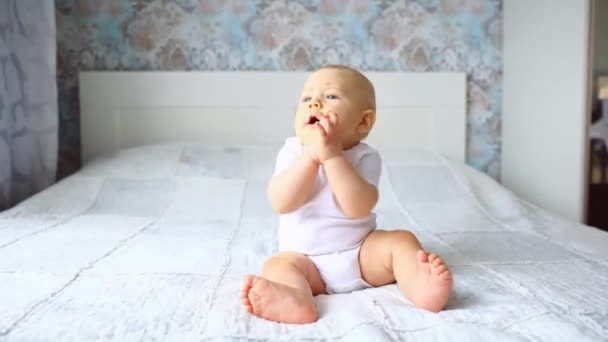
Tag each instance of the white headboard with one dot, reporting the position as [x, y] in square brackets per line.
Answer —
[122, 109]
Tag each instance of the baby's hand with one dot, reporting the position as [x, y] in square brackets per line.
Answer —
[326, 142]
[310, 135]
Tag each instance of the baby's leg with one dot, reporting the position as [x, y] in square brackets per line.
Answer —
[285, 292]
[389, 256]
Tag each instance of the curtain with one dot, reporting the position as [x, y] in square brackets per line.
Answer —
[28, 99]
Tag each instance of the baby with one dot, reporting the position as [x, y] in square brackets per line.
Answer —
[324, 187]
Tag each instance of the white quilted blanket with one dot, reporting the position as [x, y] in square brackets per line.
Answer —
[152, 244]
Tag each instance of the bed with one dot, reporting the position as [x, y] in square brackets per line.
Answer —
[150, 240]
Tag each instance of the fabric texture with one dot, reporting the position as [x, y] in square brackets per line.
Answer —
[153, 243]
[28, 99]
[320, 226]
[341, 271]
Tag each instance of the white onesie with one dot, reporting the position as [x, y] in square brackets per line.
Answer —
[320, 229]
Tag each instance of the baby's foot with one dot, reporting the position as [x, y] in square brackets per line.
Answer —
[277, 302]
[432, 283]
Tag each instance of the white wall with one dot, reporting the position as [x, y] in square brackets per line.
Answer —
[545, 87]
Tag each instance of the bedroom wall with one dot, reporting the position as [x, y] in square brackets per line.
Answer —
[412, 35]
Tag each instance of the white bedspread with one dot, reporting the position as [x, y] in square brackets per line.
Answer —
[152, 244]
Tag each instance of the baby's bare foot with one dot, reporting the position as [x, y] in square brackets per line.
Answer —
[432, 283]
[277, 302]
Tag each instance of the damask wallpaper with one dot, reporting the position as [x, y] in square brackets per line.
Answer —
[373, 35]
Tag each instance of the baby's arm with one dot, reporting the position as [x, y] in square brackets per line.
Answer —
[289, 190]
[353, 193]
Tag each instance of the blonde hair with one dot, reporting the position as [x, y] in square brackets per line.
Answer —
[362, 80]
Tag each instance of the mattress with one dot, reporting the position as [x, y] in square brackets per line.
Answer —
[152, 243]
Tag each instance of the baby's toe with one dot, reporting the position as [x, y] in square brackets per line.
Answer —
[423, 256]
[441, 269]
[248, 281]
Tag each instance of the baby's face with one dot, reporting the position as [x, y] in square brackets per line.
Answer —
[333, 91]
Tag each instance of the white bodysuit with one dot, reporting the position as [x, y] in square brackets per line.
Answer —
[320, 229]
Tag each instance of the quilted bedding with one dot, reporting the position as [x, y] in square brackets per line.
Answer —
[152, 243]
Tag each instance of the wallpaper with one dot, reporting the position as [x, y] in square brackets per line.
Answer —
[374, 35]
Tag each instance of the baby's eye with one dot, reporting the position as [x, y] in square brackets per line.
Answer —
[331, 97]
[306, 99]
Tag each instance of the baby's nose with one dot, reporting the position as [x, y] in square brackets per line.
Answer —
[315, 104]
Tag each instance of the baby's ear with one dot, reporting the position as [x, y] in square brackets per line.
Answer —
[367, 122]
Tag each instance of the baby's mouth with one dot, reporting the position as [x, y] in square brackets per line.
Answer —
[312, 120]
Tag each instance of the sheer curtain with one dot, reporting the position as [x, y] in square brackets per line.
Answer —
[28, 99]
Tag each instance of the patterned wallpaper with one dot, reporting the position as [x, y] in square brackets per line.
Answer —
[373, 35]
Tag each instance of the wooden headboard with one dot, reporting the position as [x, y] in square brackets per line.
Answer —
[122, 109]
